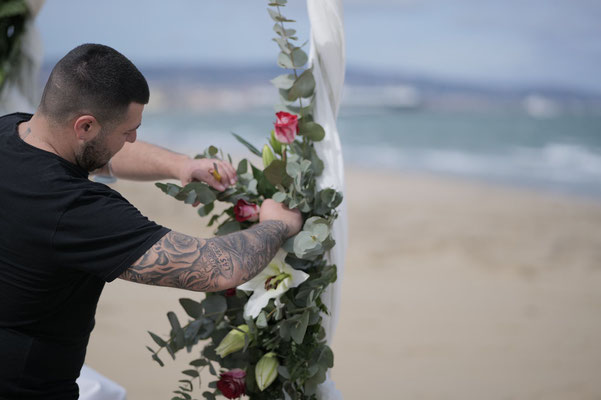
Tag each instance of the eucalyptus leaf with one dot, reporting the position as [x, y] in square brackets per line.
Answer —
[214, 306]
[192, 308]
[242, 167]
[279, 197]
[283, 372]
[252, 187]
[283, 43]
[285, 60]
[316, 163]
[304, 85]
[318, 227]
[293, 169]
[276, 173]
[158, 360]
[299, 57]
[199, 362]
[305, 165]
[326, 358]
[206, 328]
[284, 81]
[264, 186]
[206, 209]
[312, 130]
[191, 372]
[276, 16]
[209, 396]
[173, 321]
[228, 227]
[306, 245]
[285, 328]
[298, 330]
[288, 245]
[157, 339]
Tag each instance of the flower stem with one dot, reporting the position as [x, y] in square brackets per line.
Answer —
[300, 100]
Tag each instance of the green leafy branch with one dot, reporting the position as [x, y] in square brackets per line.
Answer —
[13, 14]
[288, 331]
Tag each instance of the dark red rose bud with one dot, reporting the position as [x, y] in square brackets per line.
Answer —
[232, 383]
[245, 211]
[230, 292]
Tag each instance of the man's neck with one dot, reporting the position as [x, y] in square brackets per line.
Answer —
[38, 132]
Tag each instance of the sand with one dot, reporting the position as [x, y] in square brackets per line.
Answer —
[452, 290]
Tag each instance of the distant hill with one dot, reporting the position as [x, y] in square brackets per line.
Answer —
[389, 88]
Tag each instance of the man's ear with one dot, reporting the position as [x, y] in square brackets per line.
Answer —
[86, 127]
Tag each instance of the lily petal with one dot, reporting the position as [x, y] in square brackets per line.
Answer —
[261, 296]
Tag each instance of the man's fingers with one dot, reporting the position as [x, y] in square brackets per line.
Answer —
[214, 183]
[232, 173]
[228, 173]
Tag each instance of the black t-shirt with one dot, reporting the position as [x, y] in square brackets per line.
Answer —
[61, 238]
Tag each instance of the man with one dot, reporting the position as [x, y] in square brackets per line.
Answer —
[63, 236]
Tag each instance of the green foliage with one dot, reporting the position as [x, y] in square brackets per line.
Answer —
[292, 330]
[13, 14]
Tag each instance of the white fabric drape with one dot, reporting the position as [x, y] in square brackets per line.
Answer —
[327, 56]
[93, 386]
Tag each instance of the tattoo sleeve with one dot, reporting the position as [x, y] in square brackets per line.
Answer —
[208, 265]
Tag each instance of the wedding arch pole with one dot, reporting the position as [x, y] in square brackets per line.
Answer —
[328, 57]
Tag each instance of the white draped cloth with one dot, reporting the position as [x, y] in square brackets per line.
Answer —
[327, 56]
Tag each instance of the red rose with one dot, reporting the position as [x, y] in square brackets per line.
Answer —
[232, 383]
[286, 127]
[245, 211]
[230, 292]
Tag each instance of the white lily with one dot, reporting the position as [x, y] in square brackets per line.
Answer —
[271, 283]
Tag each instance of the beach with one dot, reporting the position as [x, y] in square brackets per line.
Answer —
[452, 290]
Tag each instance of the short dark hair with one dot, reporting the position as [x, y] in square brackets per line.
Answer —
[93, 79]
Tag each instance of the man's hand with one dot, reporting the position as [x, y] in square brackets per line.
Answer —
[216, 173]
[272, 210]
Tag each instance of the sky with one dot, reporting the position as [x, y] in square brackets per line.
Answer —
[509, 42]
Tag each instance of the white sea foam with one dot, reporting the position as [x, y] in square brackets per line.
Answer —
[567, 159]
[565, 167]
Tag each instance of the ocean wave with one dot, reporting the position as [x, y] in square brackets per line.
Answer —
[555, 165]
[566, 167]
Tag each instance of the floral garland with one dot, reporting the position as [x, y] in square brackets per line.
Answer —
[265, 338]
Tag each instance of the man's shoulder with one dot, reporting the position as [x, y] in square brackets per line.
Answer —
[15, 117]
[8, 121]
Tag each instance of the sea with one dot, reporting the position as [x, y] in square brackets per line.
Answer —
[557, 153]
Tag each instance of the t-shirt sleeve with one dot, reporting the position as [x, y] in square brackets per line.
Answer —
[103, 234]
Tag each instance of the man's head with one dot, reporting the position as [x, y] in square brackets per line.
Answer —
[98, 94]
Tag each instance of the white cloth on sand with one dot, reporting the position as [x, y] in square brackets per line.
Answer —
[93, 386]
[327, 56]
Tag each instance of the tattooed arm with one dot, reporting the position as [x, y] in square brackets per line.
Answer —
[219, 263]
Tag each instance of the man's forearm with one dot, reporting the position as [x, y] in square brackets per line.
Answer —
[208, 265]
[145, 161]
